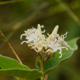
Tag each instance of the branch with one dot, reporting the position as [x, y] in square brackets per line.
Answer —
[11, 48]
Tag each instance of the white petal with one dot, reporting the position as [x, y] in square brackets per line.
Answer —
[23, 42]
[22, 36]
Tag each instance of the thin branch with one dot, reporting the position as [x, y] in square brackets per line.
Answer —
[11, 48]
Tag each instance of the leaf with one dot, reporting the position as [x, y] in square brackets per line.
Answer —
[12, 67]
[53, 62]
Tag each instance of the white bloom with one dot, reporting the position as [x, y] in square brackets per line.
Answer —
[55, 42]
[34, 38]
[39, 43]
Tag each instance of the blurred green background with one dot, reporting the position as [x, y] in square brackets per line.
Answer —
[19, 15]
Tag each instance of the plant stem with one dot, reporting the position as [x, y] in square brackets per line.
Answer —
[41, 63]
[42, 70]
[11, 48]
[20, 79]
[46, 77]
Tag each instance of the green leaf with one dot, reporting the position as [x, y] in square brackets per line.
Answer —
[12, 67]
[53, 62]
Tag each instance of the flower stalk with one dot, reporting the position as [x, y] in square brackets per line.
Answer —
[42, 70]
[41, 64]
[46, 77]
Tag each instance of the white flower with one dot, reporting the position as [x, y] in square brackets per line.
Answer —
[55, 42]
[39, 43]
[35, 39]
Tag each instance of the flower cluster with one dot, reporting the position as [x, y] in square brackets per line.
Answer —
[37, 41]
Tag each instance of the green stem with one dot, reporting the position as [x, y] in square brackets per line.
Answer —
[41, 63]
[22, 79]
[42, 70]
[46, 77]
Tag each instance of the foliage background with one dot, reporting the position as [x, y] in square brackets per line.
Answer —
[19, 15]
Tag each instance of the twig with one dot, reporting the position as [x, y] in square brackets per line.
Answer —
[11, 48]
